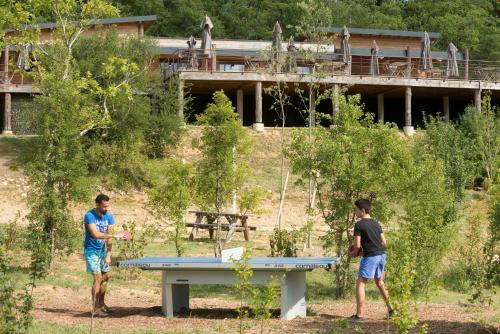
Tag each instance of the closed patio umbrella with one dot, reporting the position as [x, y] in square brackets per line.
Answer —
[291, 55]
[451, 66]
[425, 53]
[206, 36]
[374, 69]
[192, 56]
[23, 59]
[346, 49]
[277, 45]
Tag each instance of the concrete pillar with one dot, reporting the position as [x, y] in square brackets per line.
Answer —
[408, 128]
[312, 107]
[258, 125]
[239, 103]
[335, 102]
[180, 111]
[380, 107]
[141, 29]
[446, 108]
[477, 99]
[7, 115]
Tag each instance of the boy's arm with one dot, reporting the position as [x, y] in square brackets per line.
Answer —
[382, 238]
[357, 246]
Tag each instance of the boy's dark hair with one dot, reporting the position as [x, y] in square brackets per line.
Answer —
[363, 204]
[101, 198]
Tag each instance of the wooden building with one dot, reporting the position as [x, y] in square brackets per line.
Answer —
[398, 91]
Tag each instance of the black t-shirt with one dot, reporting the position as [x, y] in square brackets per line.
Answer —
[369, 230]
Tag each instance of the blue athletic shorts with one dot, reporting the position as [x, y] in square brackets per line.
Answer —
[372, 266]
[95, 261]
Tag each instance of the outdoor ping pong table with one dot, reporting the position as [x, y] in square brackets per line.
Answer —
[179, 272]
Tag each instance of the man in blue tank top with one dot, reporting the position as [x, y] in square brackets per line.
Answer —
[369, 241]
[98, 224]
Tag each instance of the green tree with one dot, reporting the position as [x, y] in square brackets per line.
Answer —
[15, 316]
[170, 196]
[482, 129]
[488, 278]
[356, 158]
[448, 143]
[222, 169]
[138, 114]
[57, 170]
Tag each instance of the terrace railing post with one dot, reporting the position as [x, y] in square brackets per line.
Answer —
[214, 59]
[408, 61]
[466, 64]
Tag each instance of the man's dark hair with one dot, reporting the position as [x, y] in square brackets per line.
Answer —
[101, 198]
[363, 204]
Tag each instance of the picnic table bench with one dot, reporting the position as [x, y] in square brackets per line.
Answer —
[235, 223]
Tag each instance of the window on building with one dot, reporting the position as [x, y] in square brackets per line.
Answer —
[232, 67]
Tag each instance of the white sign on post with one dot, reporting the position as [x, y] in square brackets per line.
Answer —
[232, 254]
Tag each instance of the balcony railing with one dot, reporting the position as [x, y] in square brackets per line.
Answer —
[389, 67]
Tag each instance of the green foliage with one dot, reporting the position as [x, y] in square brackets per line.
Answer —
[134, 248]
[15, 307]
[222, 169]
[457, 151]
[245, 19]
[285, 243]
[11, 234]
[488, 278]
[466, 269]
[468, 24]
[423, 235]
[403, 265]
[170, 195]
[165, 126]
[250, 200]
[482, 129]
[428, 207]
[261, 300]
[57, 171]
[128, 126]
[356, 158]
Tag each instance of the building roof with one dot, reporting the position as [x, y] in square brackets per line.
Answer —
[111, 20]
[384, 32]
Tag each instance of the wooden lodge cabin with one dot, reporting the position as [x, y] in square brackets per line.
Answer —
[399, 92]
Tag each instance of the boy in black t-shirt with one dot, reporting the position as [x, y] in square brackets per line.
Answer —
[370, 241]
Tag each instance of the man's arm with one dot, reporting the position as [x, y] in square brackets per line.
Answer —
[96, 234]
[109, 245]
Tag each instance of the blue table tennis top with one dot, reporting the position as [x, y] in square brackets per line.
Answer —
[206, 263]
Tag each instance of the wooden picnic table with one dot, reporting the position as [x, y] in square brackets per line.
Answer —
[235, 223]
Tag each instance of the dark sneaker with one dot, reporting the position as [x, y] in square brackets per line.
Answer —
[355, 318]
[391, 313]
[106, 309]
[100, 314]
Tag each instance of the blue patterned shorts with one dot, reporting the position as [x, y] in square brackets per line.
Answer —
[95, 261]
